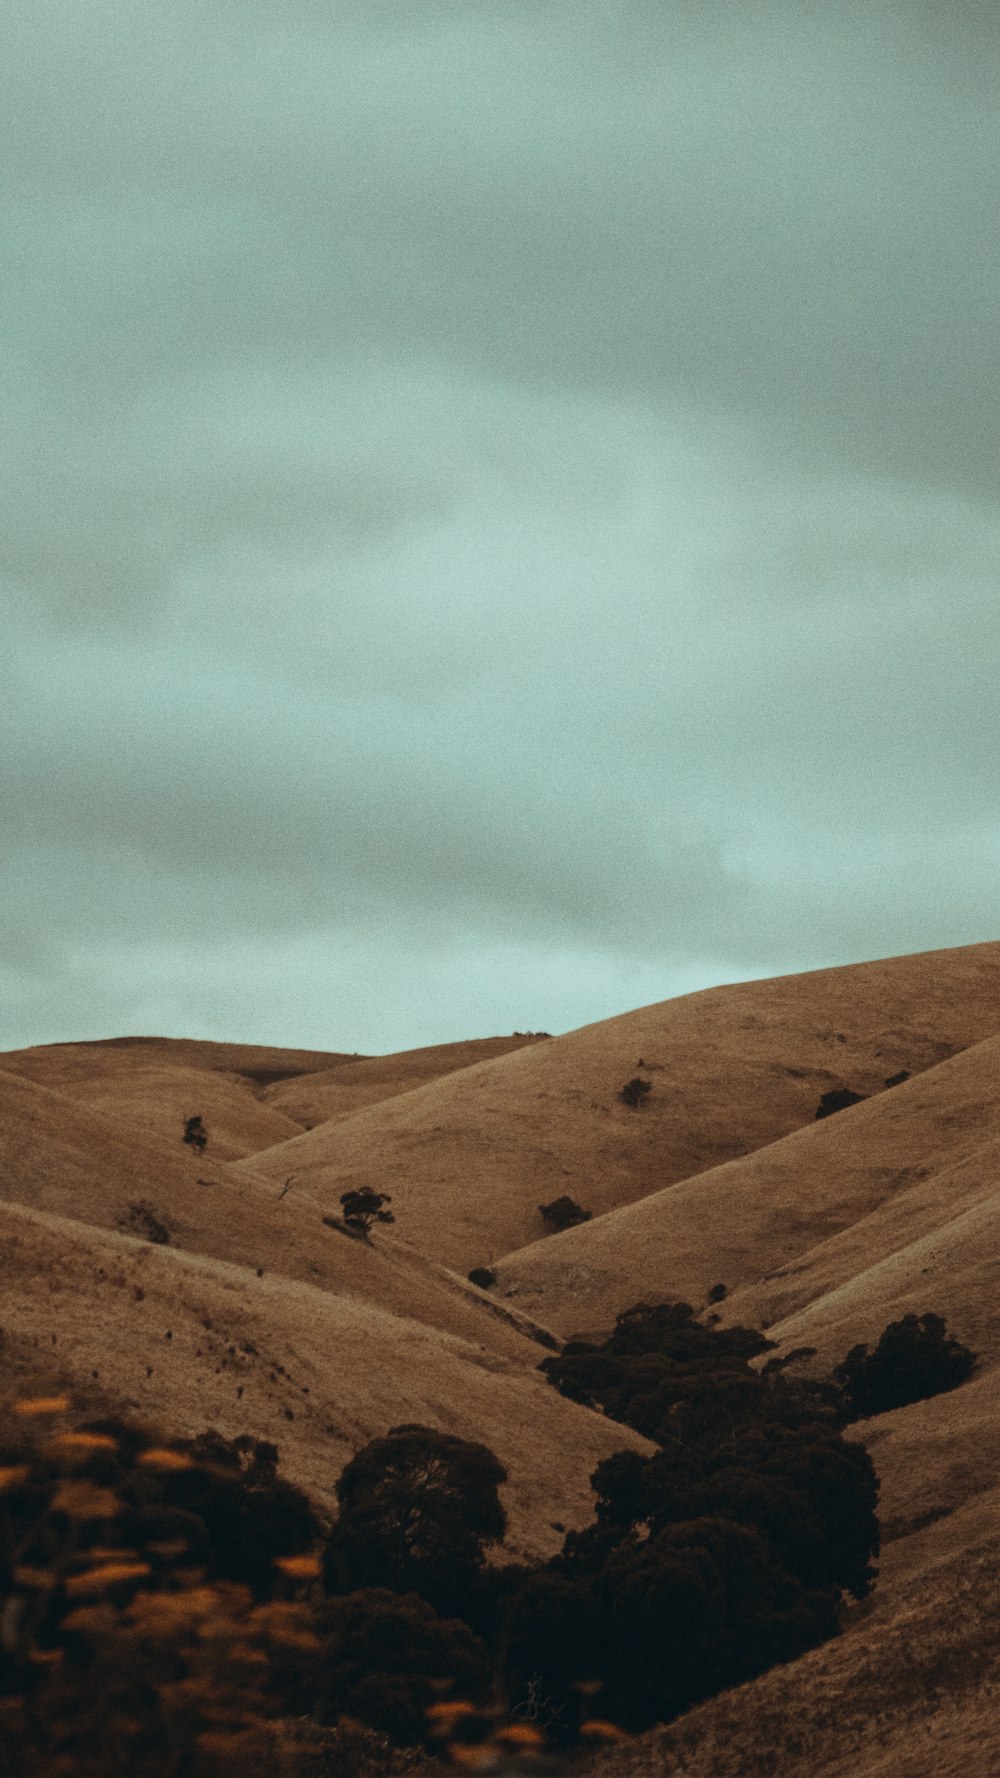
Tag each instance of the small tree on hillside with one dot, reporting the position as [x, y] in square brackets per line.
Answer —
[635, 1091]
[195, 1133]
[363, 1207]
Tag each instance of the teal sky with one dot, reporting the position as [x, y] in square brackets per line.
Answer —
[501, 513]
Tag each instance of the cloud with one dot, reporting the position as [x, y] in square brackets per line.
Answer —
[499, 506]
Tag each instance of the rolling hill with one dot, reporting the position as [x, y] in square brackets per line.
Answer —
[257, 1315]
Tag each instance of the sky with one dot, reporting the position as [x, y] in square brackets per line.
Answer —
[501, 514]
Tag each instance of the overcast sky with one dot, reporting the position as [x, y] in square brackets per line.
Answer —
[501, 506]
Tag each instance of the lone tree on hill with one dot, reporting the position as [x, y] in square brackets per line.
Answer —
[195, 1133]
[363, 1207]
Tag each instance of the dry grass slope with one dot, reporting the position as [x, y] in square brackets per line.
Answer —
[188, 1341]
[468, 1158]
[809, 1212]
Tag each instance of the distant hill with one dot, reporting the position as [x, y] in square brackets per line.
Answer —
[470, 1156]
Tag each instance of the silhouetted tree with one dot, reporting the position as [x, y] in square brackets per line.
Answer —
[363, 1207]
[483, 1276]
[915, 1358]
[418, 1510]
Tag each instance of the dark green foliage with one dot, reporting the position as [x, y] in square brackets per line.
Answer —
[659, 1364]
[915, 1358]
[733, 1547]
[483, 1276]
[718, 1293]
[385, 1658]
[364, 1207]
[418, 1509]
[837, 1099]
[562, 1214]
[635, 1092]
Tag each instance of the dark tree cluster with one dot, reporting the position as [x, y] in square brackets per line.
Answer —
[731, 1549]
[915, 1357]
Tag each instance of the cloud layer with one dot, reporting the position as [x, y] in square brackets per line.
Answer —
[501, 514]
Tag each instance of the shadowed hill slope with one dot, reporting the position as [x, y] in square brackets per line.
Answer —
[809, 1211]
[190, 1342]
[469, 1158]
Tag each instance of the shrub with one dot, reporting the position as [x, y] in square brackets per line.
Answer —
[562, 1214]
[718, 1293]
[143, 1220]
[837, 1099]
[483, 1276]
[915, 1358]
[122, 1652]
[635, 1091]
[195, 1133]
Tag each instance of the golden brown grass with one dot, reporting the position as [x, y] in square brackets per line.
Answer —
[469, 1158]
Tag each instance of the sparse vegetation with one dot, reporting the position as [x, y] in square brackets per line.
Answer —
[915, 1358]
[141, 1219]
[363, 1207]
[562, 1214]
